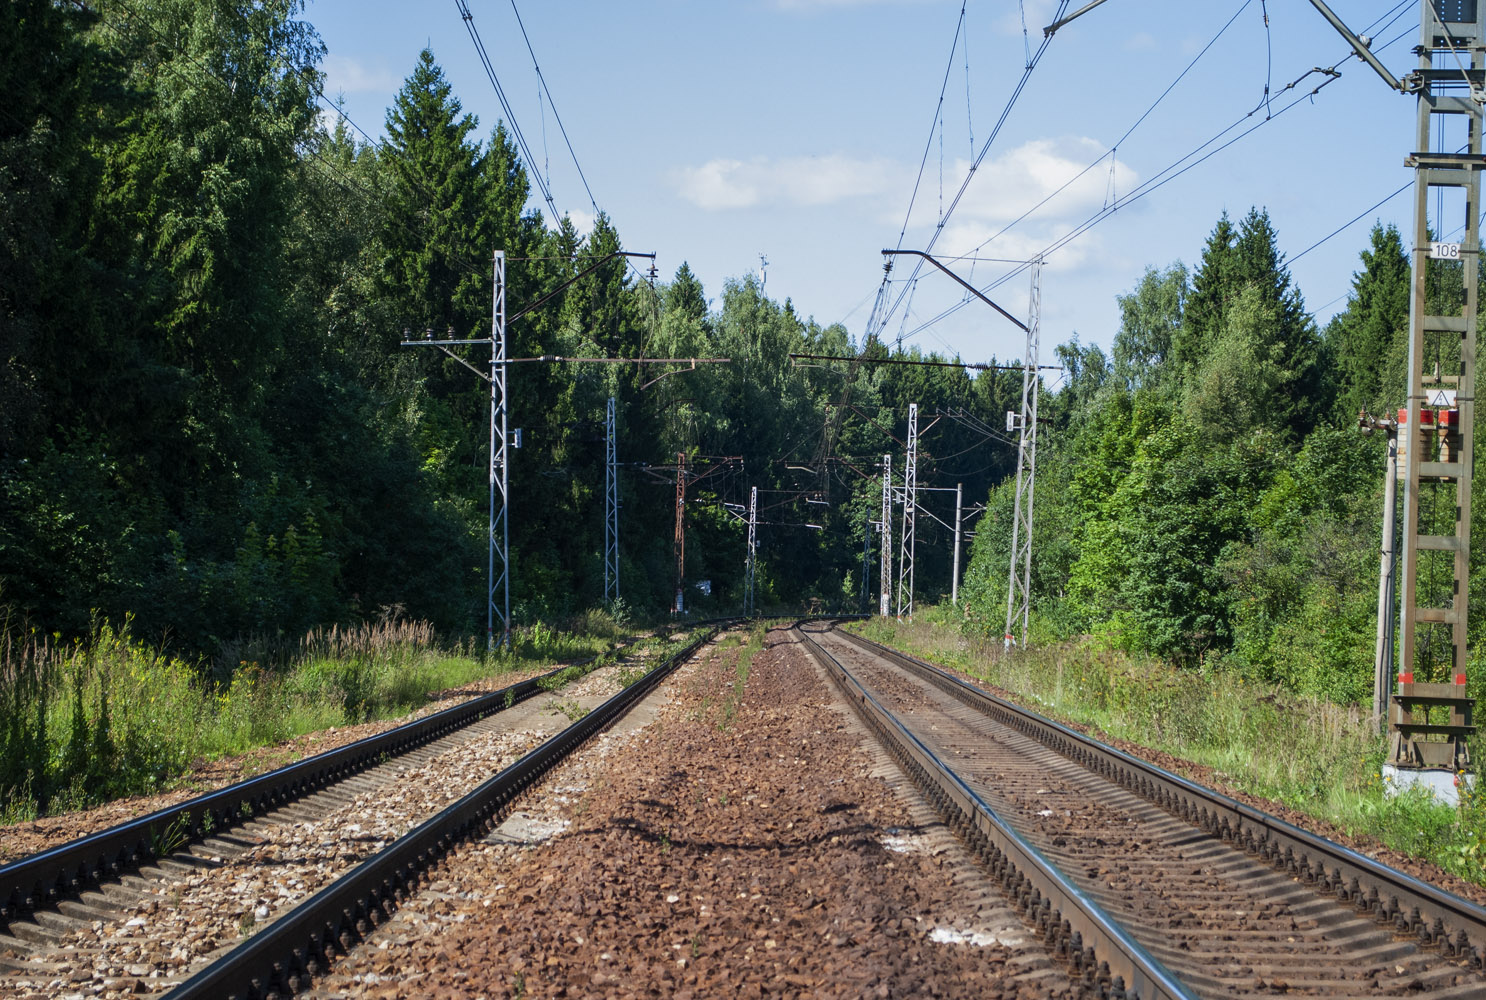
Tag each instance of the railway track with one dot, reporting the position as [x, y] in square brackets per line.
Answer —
[1148, 885]
[140, 907]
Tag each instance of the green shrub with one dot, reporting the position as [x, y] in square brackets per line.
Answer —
[85, 722]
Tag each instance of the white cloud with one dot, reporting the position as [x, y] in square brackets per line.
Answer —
[1008, 186]
[799, 180]
[1141, 41]
[582, 221]
[1012, 185]
[348, 76]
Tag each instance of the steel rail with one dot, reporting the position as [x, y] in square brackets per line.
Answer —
[1428, 914]
[282, 958]
[40, 879]
[1074, 926]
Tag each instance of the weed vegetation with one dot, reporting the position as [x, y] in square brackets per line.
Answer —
[87, 721]
[1308, 753]
[734, 697]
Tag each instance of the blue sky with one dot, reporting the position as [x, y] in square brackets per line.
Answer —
[713, 131]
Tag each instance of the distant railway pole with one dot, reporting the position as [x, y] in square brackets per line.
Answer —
[498, 556]
[1429, 715]
[910, 517]
[611, 506]
[1019, 576]
[884, 590]
[748, 607]
[954, 573]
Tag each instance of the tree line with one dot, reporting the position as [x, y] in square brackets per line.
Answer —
[1206, 494]
[206, 420]
[208, 424]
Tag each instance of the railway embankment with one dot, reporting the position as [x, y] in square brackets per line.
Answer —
[1313, 763]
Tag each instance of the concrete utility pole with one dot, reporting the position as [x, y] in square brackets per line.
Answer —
[1387, 568]
[678, 606]
[748, 607]
[884, 587]
[611, 507]
[1387, 572]
[910, 509]
[1429, 715]
[867, 527]
[1019, 578]
[954, 579]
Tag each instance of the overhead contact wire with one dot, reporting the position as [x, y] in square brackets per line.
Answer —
[1167, 175]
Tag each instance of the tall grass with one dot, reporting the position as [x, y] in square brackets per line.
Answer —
[86, 721]
[1310, 754]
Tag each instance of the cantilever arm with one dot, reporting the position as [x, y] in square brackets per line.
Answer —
[967, 286]
[1363, 52]
[1048, 31]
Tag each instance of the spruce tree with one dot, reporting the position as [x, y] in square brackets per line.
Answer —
[1207, 305]
[1364, 340]
[435, 226]
[1248, 353]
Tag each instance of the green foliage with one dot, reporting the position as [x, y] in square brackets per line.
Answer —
[207, 421]
[233, 447]
[1150, 321]
[1194, 502]
[1366, 343]
[82, 722]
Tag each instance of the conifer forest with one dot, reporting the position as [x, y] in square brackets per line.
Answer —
[209, 427]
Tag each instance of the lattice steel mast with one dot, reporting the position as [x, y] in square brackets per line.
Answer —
[1429, 717]
[499, 559]
[678, 606]
[611, 507]
[1019, 577]
[1437, 466]
[752, 549]
[910, 510]
[884, 587]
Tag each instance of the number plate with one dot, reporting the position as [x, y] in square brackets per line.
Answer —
[1444, 251]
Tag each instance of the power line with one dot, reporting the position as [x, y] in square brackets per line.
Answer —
[553, 104]
[938, 112]
[484, 57]
[1351, 222]
[1154, 183]
[1016, 94]
[1121, 140]
[1175, 169]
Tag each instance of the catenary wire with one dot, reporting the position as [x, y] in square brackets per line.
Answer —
[985, 148]
[938, 112]
[1170, 173]
[469, 23]
[562, 129]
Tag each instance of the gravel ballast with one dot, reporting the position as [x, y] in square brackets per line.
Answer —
[735, 846]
